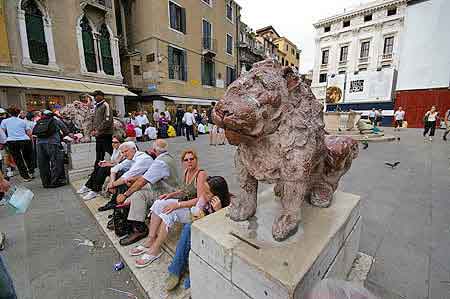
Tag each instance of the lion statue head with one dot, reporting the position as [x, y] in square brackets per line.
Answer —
[265, 100]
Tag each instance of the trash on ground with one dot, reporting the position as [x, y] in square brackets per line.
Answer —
[85, 242]
[129, 295]
[119, 266]
[19, 198]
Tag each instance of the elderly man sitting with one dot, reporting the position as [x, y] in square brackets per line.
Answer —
[160, 178]
[136, 163]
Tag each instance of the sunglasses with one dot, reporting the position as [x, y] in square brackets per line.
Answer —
[188, 159]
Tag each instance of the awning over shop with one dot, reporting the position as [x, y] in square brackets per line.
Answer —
[190, 101]
[37, 82]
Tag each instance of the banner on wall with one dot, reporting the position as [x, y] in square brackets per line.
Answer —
[335, 89]
[370, 86]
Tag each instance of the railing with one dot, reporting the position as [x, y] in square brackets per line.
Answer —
[387, 56]
[209, 45]
[363, 59]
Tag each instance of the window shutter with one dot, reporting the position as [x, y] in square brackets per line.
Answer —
[105, 50]
[203, 71]
[170, 61]
[35, 33]
[213, 73]
[173, 15]
[184, 65]
[183, 20]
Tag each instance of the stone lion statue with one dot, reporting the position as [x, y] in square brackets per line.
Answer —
[277, 125]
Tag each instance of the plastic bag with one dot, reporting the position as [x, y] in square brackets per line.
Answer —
[19, 198]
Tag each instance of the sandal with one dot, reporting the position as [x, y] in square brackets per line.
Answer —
[146, 260]
[138, 250]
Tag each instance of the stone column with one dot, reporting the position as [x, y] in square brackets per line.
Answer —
[81, 49]
[124, 26]
[114, 42]
[23, 37]
[120, 105]
[49, 40]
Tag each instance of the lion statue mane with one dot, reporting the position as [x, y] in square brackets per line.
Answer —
[277, 125]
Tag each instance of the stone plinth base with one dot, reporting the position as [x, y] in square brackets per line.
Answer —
[241, 260]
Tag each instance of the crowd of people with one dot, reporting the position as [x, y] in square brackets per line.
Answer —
[189, 123]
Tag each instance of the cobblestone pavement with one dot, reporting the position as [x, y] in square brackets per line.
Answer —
[406, 225]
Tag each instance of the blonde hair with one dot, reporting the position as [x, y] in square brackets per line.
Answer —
[189, 109]
[189, 151]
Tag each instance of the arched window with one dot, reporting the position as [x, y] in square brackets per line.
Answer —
[105, 47]
[88, 45]
[35, 32]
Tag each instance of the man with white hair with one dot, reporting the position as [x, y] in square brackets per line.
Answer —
[160, 178]
[136, 163]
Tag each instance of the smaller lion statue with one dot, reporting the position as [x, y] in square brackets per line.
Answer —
[277, 125]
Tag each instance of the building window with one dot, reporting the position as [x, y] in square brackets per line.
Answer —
[327, 29]
[365, 46]
[325, 54]
[230, 11]
[341, 72]
[88, 46]
[151, 57]
[177, 64]
[229, 44]
[392, 11]
[344, 54]
[388, 45]
[287, 48]
[297, 56]
[362, 69]
[346, 23]
[208, 71]
[231, 75]
[37, 45]
[368, 18]
[136, 70]
[177, 17]
[322, 78]
[287, 62]
[282, 60]
[293, 52]
[105, 47]
[207, 2]
[207, 34]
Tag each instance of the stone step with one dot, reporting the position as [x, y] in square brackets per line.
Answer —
[151, 278]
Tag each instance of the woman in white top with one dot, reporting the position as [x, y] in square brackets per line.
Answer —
[430, 122]
[101, 172]
[189, 122]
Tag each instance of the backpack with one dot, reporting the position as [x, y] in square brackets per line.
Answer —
[45, 128]
[122, 226]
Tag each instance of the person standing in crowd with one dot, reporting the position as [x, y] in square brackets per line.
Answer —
[379, 117]
[179, 121]
[429, 120]
[399, 116]
[151, 133]
[19, 143]
[156, 117]
[372, 116]
[142, 120]
[211, 125]
[163, 125]
[447, 124]
[189, 121]
[167, 115]
[50, 153]
[102, 127]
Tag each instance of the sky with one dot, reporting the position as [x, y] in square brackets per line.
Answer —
[294, 19]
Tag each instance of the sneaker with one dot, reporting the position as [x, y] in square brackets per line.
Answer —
[90, 195]
[431, 138]
[83, 189]
[172, 282]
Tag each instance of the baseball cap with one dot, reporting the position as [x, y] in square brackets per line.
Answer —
[98, 93]
[2, 111]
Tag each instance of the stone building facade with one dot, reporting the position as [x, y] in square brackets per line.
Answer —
[356, 48]
[251, 50]
[55, 51]
[178, 51]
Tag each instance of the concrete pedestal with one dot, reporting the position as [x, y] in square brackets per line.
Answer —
[241, 260]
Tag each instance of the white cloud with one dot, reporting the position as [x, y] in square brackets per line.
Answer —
[293, 19]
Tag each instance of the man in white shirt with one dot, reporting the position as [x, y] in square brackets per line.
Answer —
[151, 133]
[136, 163]
[138, 131]
[167, 114]
[142, 120]
[160, 178]
[189, 121]
[372, 116]
[399, 116]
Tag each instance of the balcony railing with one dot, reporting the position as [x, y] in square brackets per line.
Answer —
[387, 56]
[99, 3]
[363, 59]
[209, 45]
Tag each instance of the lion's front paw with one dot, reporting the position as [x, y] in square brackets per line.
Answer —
[242, 210]
[284, 226]
[321, 198]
